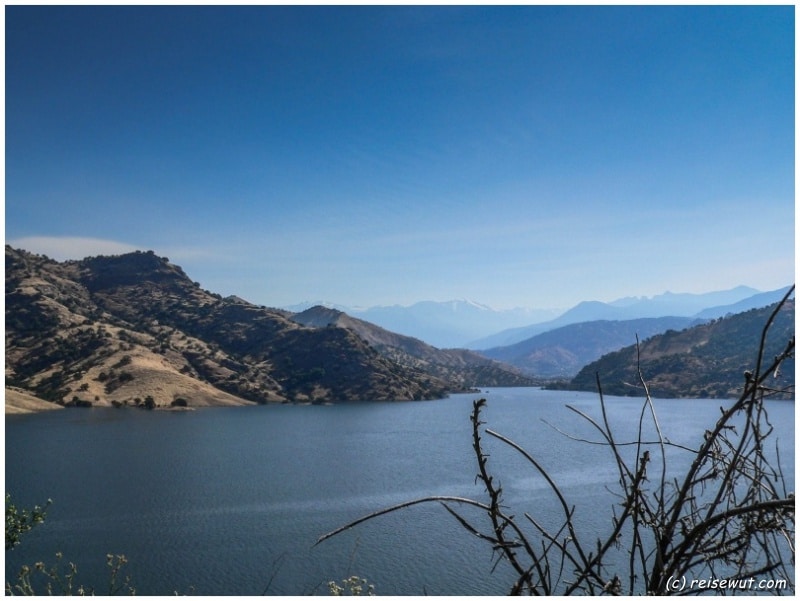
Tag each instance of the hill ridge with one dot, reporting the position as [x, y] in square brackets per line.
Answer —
[561, 352]
[460, 365]
[122, 329]
[707, 360]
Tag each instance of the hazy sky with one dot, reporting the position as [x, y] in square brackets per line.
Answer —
[519, 156]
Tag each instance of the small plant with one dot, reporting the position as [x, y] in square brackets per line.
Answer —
[20, 521]
[59, 579]
[56, 582]
[126, 359]
[353, 586]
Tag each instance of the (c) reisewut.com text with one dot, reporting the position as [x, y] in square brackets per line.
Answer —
[682, 583]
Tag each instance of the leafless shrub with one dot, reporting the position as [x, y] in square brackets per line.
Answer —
[724, 525]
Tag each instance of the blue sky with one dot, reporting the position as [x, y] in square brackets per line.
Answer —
[520, 156]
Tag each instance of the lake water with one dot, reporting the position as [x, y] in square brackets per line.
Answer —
[230, 501]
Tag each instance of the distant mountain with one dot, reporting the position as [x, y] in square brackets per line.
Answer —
[751, 302]
[702, 306]
[682, 303]
[450, 324]
[708, 360]
[305, 305]
[134, 329]
[560, 353]
[461, 367]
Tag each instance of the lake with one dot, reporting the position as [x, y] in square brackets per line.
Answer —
[230, 501]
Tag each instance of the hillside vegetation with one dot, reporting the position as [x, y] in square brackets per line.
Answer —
[135, 330]
[708, 360]
[462, 368]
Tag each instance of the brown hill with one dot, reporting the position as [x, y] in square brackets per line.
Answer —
[135, 330]
[462, 368]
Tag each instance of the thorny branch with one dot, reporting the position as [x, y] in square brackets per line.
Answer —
[725, 517]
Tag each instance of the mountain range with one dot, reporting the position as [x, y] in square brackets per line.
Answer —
[708, 360]
[448, 324]
[476, 326]
[700, 306]
[560, 347]
[559, 351]
[134, 329]
[562, 352]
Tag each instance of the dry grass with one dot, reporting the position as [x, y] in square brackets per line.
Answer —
[18, 401]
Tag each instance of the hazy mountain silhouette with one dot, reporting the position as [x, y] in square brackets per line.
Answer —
[702, 306]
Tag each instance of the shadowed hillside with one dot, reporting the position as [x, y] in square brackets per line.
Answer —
[466, 368]
[709, 360]
[561, 353]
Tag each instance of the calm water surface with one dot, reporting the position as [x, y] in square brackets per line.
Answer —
[231, 501]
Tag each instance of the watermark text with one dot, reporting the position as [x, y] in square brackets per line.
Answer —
[677, 584]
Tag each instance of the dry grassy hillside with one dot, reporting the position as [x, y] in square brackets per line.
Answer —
[134, 330]
[19, 401]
